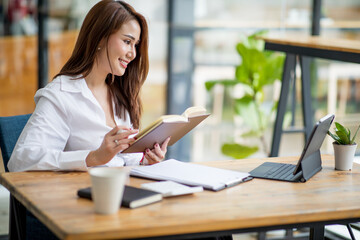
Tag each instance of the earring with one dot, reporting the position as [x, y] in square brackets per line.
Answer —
[99, 48]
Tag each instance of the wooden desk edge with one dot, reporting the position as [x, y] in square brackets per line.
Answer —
[60, 233]
[316, 42]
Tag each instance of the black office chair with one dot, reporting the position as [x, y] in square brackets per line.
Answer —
[10, 130]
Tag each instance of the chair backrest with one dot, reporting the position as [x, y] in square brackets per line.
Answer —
[10, 130]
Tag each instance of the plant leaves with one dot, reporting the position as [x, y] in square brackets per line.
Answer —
[273, 68]
[335, 137]
[238, 151]
[242, 75]
[252, 133]
[226, 82]
[254, 42]
[342, 136]
[342, 133]
[245, 107]
[258, 67]
[341, 128]
[353, 139]
[252, 61]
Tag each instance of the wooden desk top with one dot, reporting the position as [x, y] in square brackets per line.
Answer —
[268, 24]
[317, 42]
[329, 195]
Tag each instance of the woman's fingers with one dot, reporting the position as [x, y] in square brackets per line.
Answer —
[116, 129]
[111, 145]
[165, 144]
[151, 157]
[123, 143]
[157, 154]
[118, 138]
[120, 133]
[120, 130]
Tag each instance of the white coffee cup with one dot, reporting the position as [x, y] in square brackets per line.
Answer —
[107, 188]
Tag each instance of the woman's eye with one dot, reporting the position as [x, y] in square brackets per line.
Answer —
[127, 41]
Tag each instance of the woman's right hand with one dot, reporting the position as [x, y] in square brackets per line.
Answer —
[114, 141]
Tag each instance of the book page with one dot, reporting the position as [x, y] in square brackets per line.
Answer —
[174, 118]
[194, 111]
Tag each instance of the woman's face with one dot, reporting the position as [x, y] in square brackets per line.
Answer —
[121, 47]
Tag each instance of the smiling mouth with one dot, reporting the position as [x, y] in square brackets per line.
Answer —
[123, 63]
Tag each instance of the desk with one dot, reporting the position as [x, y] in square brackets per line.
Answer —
[258, 205]
[302, 49]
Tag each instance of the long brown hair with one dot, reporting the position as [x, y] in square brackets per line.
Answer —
[104, 19]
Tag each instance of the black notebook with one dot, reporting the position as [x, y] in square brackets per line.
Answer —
[133, 197]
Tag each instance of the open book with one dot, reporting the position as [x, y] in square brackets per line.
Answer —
[175, 126]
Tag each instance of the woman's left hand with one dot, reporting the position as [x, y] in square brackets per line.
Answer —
[157, 154]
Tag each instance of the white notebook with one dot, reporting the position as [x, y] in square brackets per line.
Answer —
[210, 178]
[170, 188]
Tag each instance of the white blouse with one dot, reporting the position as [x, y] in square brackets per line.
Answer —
[68, 123]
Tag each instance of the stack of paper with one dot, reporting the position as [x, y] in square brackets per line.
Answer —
[210, 178]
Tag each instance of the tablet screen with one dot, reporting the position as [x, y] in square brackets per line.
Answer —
[316, 139]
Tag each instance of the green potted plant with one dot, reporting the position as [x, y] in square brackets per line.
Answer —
[344, 146]
[258, 68]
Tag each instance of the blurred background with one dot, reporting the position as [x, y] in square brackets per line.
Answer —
[191, 42]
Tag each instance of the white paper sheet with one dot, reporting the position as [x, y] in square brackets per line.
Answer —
[191, 174]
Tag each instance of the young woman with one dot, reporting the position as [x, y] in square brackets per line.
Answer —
[87, 115]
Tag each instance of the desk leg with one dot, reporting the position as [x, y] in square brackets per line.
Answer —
[17, 219]
[288, 71]
[306, 96]
[317, 233]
